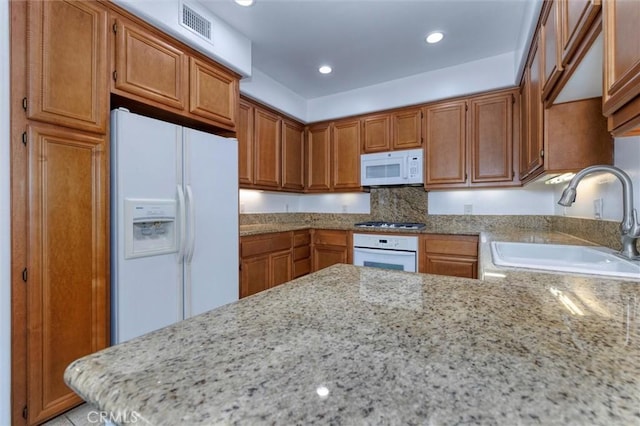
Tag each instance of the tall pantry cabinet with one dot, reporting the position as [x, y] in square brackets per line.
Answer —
[60, 232]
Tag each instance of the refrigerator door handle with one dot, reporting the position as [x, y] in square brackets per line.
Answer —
[183, 224]
[192, 226]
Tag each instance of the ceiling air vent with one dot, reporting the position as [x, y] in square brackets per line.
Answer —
[196, 22]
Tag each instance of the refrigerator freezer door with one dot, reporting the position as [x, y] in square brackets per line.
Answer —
[146, 164]
[211, 178]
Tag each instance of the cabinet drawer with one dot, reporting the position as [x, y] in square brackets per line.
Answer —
[301, 267]
[301, 239]
[462, 245]
[265, 244]
[331, 238]
[301, 252]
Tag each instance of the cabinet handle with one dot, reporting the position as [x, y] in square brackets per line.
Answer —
[542, 153]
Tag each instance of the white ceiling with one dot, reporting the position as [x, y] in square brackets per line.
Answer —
[370, 41]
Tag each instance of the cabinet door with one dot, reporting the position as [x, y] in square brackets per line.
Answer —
[255, 275]
[445, 155]
[67, 72]
[68, 290]
[575, 18]
[292, 155]
[267, 147]
[621, 53]
[532, 142]
[346, 155]
[376, 131]
[281, 264]
[245, 143]
[149, 66]
[551, 54]
[407, 129]
[213, 93]
[325, 256]
[453, 266]
[319, 158]
[491, 138]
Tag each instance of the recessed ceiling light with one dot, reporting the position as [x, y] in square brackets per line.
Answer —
[434, 37]
[244, 2]
[325, 69]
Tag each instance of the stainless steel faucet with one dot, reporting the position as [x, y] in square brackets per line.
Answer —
[629, 227]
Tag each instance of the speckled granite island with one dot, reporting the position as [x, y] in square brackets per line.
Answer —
[352, 345]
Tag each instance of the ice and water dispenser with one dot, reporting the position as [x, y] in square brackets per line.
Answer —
[150, 227]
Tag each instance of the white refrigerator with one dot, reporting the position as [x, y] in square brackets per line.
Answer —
[174, 223]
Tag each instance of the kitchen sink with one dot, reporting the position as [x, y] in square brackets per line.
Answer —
[564, 258]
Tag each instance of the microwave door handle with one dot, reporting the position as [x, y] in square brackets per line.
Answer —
[405, 172]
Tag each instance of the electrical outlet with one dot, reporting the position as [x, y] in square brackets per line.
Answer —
[598, 205]
[468, 208]
[286, 208]
[241, 207]
[344, 208]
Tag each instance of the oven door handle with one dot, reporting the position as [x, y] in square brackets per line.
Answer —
[384, 251]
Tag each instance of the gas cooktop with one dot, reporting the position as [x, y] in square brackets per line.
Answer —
[391, 225]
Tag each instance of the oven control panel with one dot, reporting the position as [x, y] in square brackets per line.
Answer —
[389, 242]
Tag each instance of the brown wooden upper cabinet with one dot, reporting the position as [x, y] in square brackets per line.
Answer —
[318, 151]
[345, 158]
[491, 123]
[155, 70]
[551, 49]
[568, 29]
[562, 137]
[333, 156]
[267, 146]
[149, 66]
[213, 92]
[621, 98]
[397, 130]
[376, 133]
[270, 149]
[470, 141]
[576, 16]
[445, 150]
[531, 147]
[406, 128]
[245, 143]
[67, 72]
[292, 155]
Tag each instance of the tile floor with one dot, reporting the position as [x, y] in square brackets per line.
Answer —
[79, 416]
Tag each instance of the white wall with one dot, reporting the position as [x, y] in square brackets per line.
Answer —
[263, 88]
[606, 186]
[271, 202]
[472, 77]
[5, 229]
[229, 46]
[535, 199]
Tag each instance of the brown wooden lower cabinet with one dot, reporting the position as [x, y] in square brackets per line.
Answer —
[330, 246]
[265, 261]
[453, 255]
[269, 260]
[301, 253]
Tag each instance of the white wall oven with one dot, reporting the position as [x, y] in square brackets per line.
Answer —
[396, 252]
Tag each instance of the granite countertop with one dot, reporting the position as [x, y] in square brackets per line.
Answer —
[354, 345]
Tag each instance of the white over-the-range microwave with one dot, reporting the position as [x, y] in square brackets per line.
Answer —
[392, 168]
